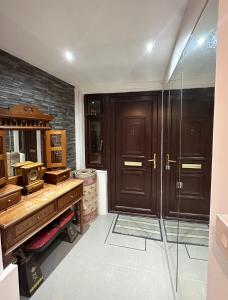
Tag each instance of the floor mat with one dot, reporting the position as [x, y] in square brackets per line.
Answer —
[144, 227]
[191, 233]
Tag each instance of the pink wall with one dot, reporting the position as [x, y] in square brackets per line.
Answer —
[218, 264]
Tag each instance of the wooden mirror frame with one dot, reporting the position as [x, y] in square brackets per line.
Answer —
[23, 117]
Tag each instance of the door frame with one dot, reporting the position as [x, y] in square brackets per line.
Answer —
[111, 151]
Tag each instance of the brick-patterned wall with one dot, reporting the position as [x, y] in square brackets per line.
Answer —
[21, 83]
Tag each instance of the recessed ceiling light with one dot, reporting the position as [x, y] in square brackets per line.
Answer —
[69, 55]
[149, 47]
[201, 41]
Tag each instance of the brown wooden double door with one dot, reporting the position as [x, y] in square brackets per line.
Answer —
[135, 153]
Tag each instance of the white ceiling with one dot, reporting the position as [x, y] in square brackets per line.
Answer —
[107, 37]
[198, 64]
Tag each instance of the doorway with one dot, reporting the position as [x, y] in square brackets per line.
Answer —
[135, 153]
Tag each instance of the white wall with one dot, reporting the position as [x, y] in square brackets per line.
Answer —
[218, 264]
[9, 288]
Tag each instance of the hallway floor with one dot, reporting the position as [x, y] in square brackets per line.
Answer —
[104, 266]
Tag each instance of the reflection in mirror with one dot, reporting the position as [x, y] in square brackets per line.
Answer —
[198, 71]
[187, 146]
[22, 146]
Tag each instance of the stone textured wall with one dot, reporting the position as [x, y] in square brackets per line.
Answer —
[22, 83]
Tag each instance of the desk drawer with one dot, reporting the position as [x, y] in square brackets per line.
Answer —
[34, 220]
[70, 197]
[9, 200]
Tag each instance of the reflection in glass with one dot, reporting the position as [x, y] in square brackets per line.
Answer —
[94, 107]
[22, 146]
[95, 142]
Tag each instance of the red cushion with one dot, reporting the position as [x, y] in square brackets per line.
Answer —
[66, 219]
[41, 239]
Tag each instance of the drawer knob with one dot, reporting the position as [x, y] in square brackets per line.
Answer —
[71, 196]
[9, 201]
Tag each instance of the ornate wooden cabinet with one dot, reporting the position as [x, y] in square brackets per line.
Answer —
[55, 149]
[20, 221]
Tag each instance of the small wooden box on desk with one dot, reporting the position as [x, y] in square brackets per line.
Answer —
[57, 176]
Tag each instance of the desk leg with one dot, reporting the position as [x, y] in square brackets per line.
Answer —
[81, 216]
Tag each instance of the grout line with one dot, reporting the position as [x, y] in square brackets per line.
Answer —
[110, 229]
[142, 250]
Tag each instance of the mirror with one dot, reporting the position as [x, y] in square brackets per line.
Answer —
[22, 145]
[196, 134]
[188, 133]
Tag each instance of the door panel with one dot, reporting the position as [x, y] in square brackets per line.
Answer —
[194, 164]
[134, 142]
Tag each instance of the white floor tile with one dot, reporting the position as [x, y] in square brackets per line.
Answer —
[197, 252]
[151, 286]
[191, 289]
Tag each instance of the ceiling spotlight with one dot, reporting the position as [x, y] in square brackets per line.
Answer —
[69, 56]
[149, 47]
[201, 41]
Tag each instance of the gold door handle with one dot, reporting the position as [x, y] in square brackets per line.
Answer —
[168, 161]
[153, 161]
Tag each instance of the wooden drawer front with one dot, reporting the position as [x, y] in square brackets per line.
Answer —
[78, 192]
[34, 219]
[63, 177]
[7, 201]
[70, 197]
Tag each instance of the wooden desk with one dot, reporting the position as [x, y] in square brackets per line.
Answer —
[21, 221]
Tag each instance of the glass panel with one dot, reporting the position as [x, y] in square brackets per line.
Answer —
[196, 124]
[94, 107]
[56, 140]
[171, 154]
[95, 142]
[56, 156]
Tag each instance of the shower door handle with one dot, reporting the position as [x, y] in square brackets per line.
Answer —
[168, 161]
[153, 161]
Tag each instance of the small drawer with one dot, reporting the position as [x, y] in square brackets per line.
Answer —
[63, 177]
[34, 220]
[9, 200]
[70, 197]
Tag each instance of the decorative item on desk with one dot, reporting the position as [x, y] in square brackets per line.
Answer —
[32, 175]
[57, 176]
[55, 149]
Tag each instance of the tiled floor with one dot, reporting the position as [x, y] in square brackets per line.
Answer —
[192, 272]
[104, 266]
